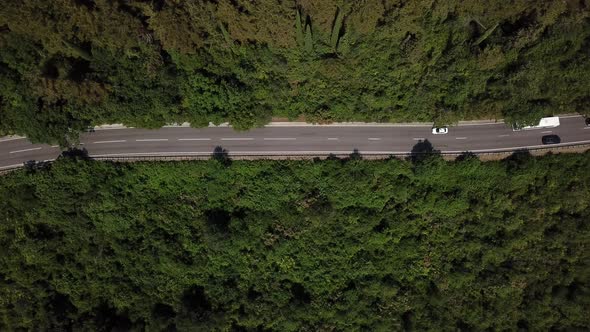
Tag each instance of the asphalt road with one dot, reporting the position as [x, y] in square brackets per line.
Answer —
[296, 140]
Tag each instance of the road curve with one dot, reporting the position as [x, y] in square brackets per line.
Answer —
[296, 139]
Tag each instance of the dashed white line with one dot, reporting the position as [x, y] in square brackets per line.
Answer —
[374, 139]
[333, 138]
[460, 137]
[280, 139]
[418, 138]
[25, 150]
[194, 139]
[546, 132]
[152, 140]
[55, 146]
[587, 128]
[108, 142]
[237, 139]
[506, 135]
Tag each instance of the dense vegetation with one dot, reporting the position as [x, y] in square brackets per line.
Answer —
[297, 245]
[67, 64]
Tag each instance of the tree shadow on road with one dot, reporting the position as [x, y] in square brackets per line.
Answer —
[423, 150]
[355, 155]
[221, 155]
[72, 153]
[76, 153]
[331, 156]
[465, 156]
[32, 166]
[518, 159]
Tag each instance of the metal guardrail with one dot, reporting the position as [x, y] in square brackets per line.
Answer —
[368, 156]
[10, 169]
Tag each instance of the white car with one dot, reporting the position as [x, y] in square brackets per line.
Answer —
[440, 131]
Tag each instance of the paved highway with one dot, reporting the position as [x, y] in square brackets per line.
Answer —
[296, 139]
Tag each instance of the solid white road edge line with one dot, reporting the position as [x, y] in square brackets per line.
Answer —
[345, 124]
[25, 150]
[571, 116]
[11, 138]
[22, 164]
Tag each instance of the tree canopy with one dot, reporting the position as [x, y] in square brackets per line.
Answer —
[329, 245]
[67, 64]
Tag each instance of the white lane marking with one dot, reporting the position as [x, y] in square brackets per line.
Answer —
[587, 128]
[55, 146]
[460, 137]
[333, 138]
[25, 150]
[237, 139]
[11, 138]
[418, 138]
[374, 139]
[152, 140]
[194, 139]
[546, 132]
[505, 135]
[107, 142]
[280, 139]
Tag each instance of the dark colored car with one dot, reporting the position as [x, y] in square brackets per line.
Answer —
[587, 121]
[551, 139]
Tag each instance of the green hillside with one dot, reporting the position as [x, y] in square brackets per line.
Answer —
[297, 245]
[67, 64]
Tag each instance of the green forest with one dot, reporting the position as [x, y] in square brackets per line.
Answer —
[69, 64]
[318, 245]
